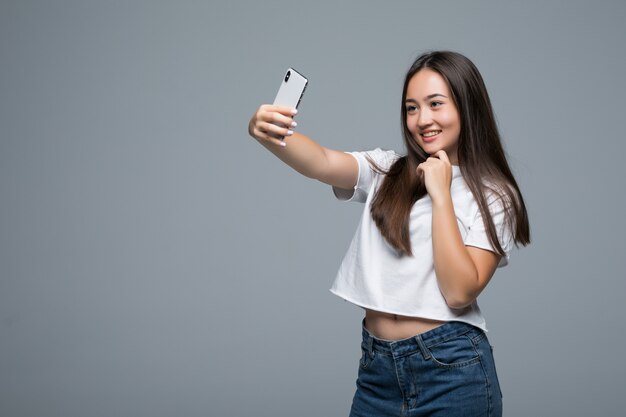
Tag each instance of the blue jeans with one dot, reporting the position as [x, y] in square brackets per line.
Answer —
[448, 371]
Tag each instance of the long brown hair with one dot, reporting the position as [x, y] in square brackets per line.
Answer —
[482, 160]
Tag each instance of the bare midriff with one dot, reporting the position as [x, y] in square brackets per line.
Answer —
[395, 327]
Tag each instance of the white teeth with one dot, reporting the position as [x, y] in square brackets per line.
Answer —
[429, 134]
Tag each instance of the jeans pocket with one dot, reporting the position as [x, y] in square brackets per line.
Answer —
[457, 352]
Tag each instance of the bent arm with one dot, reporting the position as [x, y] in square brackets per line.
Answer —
[462, 271]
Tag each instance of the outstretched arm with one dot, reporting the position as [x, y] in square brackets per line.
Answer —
[270, 124]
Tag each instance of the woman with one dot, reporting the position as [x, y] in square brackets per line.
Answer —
[436, 225]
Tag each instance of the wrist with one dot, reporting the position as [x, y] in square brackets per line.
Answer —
[440, 201]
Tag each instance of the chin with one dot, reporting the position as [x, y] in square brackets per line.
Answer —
[431, 151]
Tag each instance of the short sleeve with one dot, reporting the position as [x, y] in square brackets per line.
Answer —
[478, 236]
[367, 174]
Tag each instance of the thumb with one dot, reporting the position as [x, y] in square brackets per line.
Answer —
[419, 171]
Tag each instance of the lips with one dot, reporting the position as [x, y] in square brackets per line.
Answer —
[430, 136]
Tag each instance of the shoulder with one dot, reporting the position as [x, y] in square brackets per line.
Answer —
[372, 164]
[498, 197]
[377, 159]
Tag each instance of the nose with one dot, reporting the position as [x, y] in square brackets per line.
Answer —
[424, 118]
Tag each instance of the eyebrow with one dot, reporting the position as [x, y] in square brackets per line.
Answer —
[428, 97]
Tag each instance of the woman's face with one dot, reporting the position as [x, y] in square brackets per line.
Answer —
[431, 115]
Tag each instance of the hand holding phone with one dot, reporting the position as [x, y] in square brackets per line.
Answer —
[266, 125]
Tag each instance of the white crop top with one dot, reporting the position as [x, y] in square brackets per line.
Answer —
[375, 276]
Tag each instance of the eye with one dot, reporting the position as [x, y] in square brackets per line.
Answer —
[411, 109]
[436, 104]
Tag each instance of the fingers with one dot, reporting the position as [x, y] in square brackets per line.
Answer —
[266, 137]
[441, 154]
[278, 115]
[423, 167]
[272, 123]
[287, 111]
[272, 130]
[420, 171]
[433, 161]
[277, 119]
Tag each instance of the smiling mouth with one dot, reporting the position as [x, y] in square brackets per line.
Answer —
[431, 133]
[430, 136]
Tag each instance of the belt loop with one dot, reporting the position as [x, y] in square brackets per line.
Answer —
[425, 352]
[370, 343]
[370, 339]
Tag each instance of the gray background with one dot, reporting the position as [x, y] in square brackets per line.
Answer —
[156, 261]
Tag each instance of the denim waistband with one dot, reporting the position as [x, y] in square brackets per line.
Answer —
[421, 341]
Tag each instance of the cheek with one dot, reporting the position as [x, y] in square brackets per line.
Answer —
[410, 124]
[451, 121]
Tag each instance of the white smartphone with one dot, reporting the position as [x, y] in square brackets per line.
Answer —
[291, 89]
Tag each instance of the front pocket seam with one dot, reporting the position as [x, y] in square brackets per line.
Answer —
[456, 365]
[464, 364]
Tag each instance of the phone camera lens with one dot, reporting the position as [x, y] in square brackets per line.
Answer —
[287, 76]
